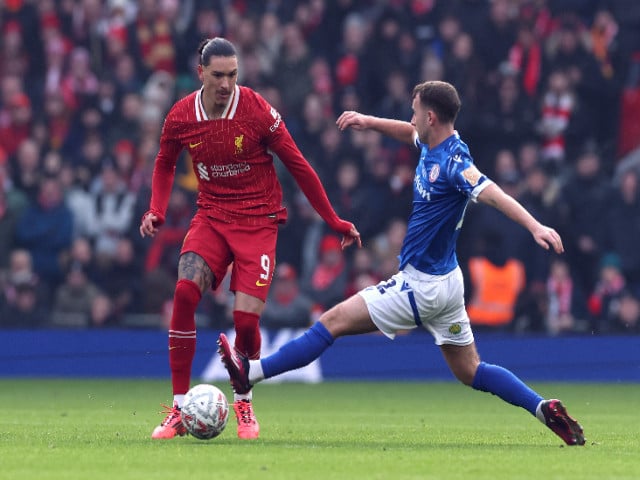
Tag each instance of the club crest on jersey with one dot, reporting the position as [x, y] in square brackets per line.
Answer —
[472, 175]
[434, 173]
[238, 142]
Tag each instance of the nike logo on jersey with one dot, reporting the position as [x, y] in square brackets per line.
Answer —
[194, 145]
[260, 284]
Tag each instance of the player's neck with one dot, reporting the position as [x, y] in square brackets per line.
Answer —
[439, 135]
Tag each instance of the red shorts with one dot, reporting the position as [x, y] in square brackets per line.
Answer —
[251, 249]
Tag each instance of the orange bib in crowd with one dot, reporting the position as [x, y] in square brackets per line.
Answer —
[495, 291]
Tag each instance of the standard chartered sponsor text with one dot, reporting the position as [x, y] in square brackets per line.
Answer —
[218, 171]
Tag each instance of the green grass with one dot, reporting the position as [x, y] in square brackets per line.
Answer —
[99, 429]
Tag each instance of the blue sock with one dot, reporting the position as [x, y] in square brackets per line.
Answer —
[298, 352]
[501, 382]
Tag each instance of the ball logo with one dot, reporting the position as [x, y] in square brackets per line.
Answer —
[455, 329]
[434, 173]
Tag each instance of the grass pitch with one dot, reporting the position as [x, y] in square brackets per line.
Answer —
[100, 429]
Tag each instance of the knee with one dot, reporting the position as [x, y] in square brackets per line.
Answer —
[331, 320]
[466, 372]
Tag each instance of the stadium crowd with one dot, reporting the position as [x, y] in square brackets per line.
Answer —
[550, 95]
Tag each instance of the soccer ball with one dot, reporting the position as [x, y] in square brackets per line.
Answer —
[205, 411]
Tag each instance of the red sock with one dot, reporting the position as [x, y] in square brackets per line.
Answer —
[182, 334]
[248, 338]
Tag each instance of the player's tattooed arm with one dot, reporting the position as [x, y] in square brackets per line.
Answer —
[193, 267]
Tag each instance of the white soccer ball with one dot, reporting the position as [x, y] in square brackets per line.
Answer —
[205, 411]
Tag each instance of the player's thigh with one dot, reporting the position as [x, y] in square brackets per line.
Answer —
[254, 257]
[205, 255]
[350, 317]
[441, 305]
[463, 361]
[392, 305]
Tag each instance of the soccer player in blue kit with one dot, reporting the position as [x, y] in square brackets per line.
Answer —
[428, 290]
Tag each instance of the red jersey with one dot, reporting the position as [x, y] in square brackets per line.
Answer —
[231, 159]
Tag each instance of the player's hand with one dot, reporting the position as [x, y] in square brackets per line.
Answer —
[149, 225]
[351, 237]
[352, 119]
[547, 238]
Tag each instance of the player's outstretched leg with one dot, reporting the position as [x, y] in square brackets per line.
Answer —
[171, 426]
[554, 415]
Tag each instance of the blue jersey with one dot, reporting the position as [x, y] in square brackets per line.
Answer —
[446, 179]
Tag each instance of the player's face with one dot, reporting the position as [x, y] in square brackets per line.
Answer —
[219, 79]
[422, 120]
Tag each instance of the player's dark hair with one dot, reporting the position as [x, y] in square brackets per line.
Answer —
[441, 97]
[215, 47]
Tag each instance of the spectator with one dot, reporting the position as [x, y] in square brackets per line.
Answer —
[27, 168]
[363, 271]
[565, 312]
[88, 162]
[165, 247]
[152, 38]
[10, 86]
[586, 196]
[119, 280]
[292, 70]
[625, 314]
[286, 307]
[495, 33]
[526, 59]
[45, 229]
[23, 310]
[541, 197]
[328, 281]
[74, 299]
[348, 196]
[270, 37]
[463, 68]
[556, 112]
[79, 83]
[387, 244]
[8, 220]
[20, 271]
[395, 103]
[112, 212]
[604, 298]
[20, 123]
[496, 282]
[81, 255]
[507, 117]
[623, 225]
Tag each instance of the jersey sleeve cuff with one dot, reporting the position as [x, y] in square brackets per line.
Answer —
[481, 186]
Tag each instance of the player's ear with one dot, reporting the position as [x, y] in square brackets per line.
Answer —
[200, 72]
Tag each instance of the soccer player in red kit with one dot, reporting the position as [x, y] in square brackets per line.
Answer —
[229, 131]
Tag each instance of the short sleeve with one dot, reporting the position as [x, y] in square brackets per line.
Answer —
[466, 177]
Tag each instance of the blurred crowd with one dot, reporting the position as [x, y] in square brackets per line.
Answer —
[551, 102]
